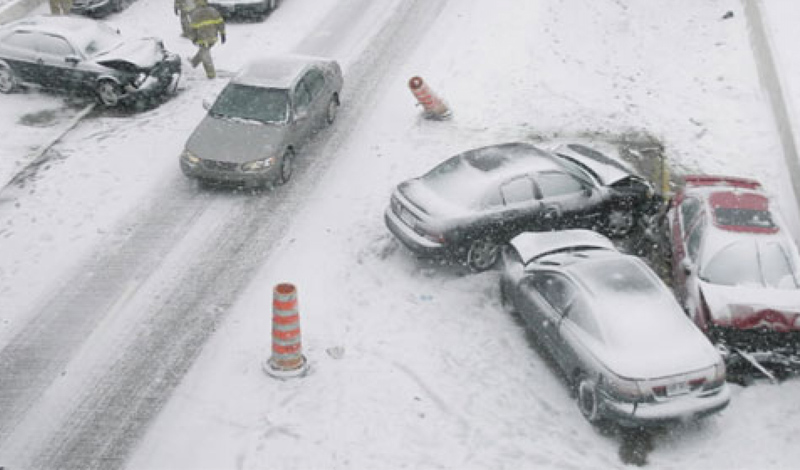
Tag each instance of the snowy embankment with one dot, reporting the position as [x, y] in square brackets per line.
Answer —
[416, 365]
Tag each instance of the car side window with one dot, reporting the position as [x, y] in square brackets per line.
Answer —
[555, 183]
[693, 241]
[21, 40]
[54, 45]
[690, 209]
[580, 313]
[518, 190]
[315, 82]
[301, 96]
[556, 290]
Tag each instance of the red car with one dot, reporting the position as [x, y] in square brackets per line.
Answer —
[736, 270]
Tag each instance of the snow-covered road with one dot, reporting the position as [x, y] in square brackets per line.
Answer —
[134, 307]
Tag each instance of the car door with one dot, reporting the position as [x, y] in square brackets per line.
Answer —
[21, 54]
[566, 201]
[509, 208]
[545, 296]
[302, 123]
[57, 60]
[315, 83]
[685, 232]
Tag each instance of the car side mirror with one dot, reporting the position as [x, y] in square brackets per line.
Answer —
[72, 59]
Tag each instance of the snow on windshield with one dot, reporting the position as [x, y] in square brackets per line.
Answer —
[752, 263]
[252, 103]
[99, 39]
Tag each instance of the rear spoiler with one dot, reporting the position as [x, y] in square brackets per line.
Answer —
[733, 181]
[533, 245]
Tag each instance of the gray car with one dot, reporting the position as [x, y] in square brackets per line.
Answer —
[262, 117]
[613, 328]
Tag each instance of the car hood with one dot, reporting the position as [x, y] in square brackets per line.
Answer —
[144, 53]
[608, 173]
[228, 140]
[746, 308]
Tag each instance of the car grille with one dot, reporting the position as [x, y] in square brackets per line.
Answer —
[220, 166]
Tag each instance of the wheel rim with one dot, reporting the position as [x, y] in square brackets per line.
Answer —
[286, 167]
[6, 80]
[619, 222]
[587, 400]
[482, 255]
[333, 108]
[108, 94]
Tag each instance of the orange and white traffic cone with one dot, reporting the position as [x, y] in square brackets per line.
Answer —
[434, 107]
[287, 358]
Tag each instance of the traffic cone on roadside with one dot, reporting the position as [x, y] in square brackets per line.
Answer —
[434, 107]
[287, 358]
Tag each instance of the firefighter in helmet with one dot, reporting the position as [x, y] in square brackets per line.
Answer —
[206, 24]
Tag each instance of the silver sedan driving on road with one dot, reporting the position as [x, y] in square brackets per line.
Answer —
[262, 117]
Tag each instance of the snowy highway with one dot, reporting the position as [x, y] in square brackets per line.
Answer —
[134, 304]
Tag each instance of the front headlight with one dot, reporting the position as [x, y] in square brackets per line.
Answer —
[258, 165]
[189, 157]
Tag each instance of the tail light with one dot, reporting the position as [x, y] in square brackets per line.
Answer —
[718, 377]
[624, 389]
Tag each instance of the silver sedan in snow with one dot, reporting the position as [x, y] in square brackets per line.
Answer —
[613, 328]
[262, 117]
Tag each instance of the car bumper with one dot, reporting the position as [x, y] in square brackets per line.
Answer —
[411, 239]
[206, 170]
[664, 413]
[241, 9]
[92, 9]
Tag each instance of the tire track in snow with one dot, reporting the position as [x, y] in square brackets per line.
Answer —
[97, 423]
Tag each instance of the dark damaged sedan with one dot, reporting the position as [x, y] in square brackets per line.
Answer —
[81, 55]
[474, 202]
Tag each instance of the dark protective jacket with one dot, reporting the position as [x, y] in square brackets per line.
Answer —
[206, 24]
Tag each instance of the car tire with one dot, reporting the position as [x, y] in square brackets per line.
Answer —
[587, 400]
[8, 81]
[109, 93]
[332, 110]
[286, 168]
[482, 254]
[619, 222]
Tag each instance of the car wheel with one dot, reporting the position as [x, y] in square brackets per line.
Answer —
[587, 400]
[8, 82]
[619, 222]
[333, 109]
[482, 254]
[286, 168]
[109, 93]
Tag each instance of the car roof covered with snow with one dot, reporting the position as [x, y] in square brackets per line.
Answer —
[281, 71]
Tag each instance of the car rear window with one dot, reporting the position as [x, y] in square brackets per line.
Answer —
[750, 218]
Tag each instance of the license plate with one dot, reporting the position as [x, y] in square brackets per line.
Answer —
[677, 388]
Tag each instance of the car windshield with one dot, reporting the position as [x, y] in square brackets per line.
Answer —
[750, 263]
[102, 40]
[252, 103]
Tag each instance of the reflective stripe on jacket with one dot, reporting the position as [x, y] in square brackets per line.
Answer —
[206, 24]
